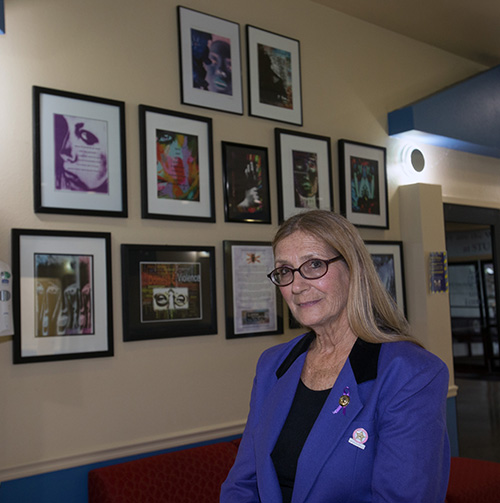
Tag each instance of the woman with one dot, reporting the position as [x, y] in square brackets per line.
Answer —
[354, 410]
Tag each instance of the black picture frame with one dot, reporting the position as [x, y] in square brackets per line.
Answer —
[253, 305]
[304, 172]
[388, 260]
[184, 189]
[79, 154]
[274, 80]
[168, 291]
[363, 184]
[210, 66]
[246, 183]
[62, 295]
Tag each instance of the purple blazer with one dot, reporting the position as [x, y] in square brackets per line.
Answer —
[389, 444]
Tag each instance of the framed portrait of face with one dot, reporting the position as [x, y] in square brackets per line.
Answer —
[303, 165]
[62, 295]
[387, 257]
[246, 183]
[79, 154]
[363, 184]
[274, 81]
[210, 61]
[176, 165]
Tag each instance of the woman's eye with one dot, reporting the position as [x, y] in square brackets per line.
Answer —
[88, 137]
[283, 272]
[315, 264]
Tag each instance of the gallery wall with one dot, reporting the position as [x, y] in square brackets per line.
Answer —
[154, 394]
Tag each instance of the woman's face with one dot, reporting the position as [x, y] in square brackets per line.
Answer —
[219, 72]
[84, 153]
[319, 304]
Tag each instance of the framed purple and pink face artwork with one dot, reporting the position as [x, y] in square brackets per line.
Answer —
[176, 165]
[210, 61]
[363, 184]
[79, 154]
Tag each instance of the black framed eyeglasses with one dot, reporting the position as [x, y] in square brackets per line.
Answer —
[314, 268]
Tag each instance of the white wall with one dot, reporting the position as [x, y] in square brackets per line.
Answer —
[158, 393]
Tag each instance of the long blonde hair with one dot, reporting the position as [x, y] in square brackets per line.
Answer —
[372, 313]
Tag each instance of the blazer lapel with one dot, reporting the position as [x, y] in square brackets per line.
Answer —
[275, 412]
[330, 428]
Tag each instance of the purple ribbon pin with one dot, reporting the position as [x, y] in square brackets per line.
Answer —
[343, 401]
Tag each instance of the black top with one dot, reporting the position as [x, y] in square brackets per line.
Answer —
[303, 413]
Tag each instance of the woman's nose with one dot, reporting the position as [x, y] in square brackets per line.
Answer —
[299, 283]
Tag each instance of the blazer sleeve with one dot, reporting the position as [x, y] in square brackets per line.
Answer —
[412, 462]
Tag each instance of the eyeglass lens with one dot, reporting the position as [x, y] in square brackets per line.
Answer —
[312, 269]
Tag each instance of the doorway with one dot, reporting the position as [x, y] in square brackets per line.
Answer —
[473, 245]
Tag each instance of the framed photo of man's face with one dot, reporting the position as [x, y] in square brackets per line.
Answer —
[303, 166]
[79, 154]
[210, 61]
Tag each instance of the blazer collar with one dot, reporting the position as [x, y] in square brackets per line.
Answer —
[363, 358]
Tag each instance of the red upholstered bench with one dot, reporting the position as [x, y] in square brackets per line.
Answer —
[473, 481]
[185, 476]
[195, 475]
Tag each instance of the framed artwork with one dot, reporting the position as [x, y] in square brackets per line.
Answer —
[210, 61]
[388, 260]
[246, 183]
[177, 180]
[363, 184]
[62, 295]
[303, 166]
[253, 304]
[168, 291]
[274, 76]
[79, 154]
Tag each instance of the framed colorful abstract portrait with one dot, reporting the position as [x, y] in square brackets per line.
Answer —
[274, 81]
[253, 304]
[363, 184]
[388, 260]
[303, 166]
[62, 295]
[168, 291]
[246, 183]
[79, 154]
[176, 165]
[210, 61]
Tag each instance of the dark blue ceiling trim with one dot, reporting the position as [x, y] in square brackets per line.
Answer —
[2, 18]
[465, 116]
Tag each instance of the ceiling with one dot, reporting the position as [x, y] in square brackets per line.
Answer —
[470, 29]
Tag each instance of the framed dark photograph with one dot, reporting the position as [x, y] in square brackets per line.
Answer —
[388, 259]
[62, 295]
[177, 180]
[168, 291]
[210, 61]
[304, 167]
[253, 304]
[79, 154]
[363, 184]
[274, 81]
[246, 183]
